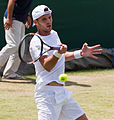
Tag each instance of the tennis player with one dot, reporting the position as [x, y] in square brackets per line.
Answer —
[53, 101]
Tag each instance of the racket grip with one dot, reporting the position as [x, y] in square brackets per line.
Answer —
[57, 48]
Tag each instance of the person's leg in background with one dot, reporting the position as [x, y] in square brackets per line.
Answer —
[13, 38]
[7, 50]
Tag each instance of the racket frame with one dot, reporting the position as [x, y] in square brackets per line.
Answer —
[32, 34]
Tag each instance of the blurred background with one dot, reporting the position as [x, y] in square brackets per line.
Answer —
[78, 21]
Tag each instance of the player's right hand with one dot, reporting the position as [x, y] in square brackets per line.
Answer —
[63, 48]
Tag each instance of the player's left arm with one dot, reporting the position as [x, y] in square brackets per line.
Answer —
[85, 51]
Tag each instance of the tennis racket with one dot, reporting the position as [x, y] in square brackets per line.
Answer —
[24, 53]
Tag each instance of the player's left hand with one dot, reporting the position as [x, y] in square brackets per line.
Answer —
[28, 22]
[90, 51]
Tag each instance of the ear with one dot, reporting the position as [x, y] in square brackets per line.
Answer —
[35, 22]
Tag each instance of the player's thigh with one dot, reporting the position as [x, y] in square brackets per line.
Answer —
[71, 110]
[46, 105]
[49, 113]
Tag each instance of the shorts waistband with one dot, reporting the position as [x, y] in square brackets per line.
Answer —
[54, 83]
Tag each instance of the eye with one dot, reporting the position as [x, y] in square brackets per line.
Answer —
[49, 17]
[44, 19]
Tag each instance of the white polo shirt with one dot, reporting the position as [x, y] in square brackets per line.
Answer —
[44, 77]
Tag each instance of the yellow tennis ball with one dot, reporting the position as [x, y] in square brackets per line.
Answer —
[63, 77]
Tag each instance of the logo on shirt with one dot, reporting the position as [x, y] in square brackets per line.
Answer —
[38, 47]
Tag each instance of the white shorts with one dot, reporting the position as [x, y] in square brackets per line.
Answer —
[56, 103]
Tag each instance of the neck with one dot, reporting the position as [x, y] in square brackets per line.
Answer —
[43, 33]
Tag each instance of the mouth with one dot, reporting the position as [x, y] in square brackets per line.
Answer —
[48, 26]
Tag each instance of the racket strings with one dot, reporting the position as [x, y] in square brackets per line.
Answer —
[40, 48]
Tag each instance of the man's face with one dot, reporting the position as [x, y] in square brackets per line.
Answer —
[44, 23]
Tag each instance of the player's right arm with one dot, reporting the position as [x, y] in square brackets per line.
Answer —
[49, 62]
[8, 22]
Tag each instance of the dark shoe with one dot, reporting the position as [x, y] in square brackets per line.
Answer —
[16, 77]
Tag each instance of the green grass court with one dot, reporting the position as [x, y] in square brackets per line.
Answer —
[93, 90]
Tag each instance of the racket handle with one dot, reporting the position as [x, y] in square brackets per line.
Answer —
[57, 48]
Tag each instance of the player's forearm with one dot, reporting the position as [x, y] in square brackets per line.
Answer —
[10, 8]
[69, 56]
[72, 55]
[49, 62]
